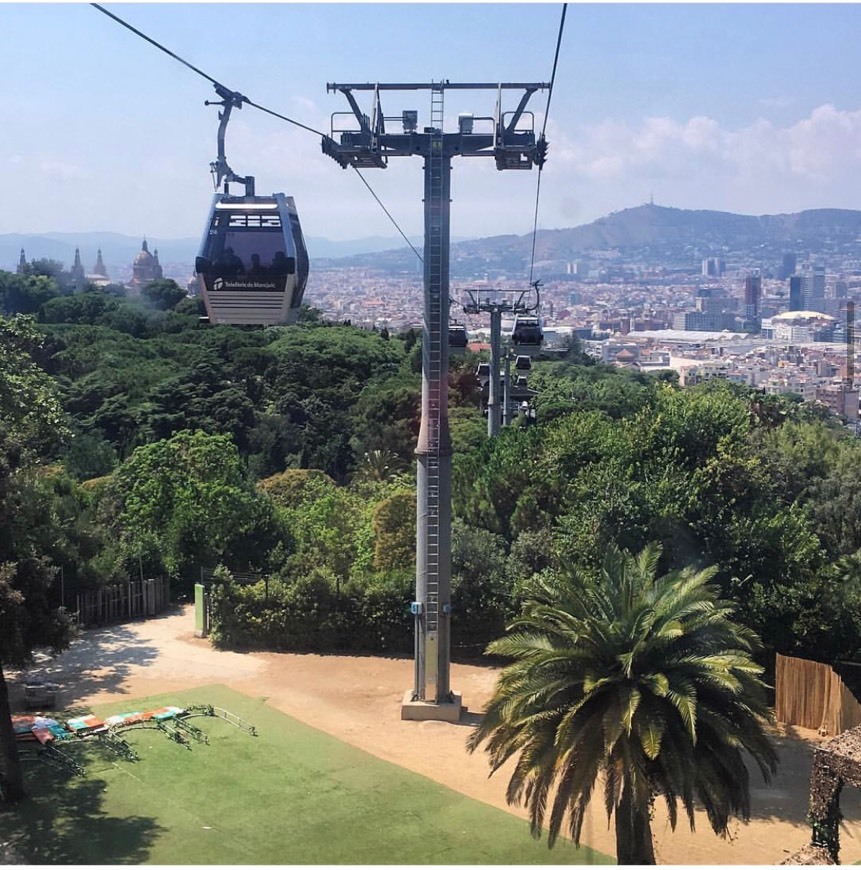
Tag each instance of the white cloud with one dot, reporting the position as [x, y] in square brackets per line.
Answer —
[61, 170]
[761, 168]
[781, 102]
[823, 146]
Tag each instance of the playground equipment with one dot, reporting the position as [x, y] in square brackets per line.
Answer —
[39, 735]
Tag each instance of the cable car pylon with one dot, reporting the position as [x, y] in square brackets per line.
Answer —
[489, 302]
[510, 139]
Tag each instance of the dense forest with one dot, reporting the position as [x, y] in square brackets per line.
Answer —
[138, 440]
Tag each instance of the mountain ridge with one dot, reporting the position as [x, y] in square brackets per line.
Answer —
[651, 230]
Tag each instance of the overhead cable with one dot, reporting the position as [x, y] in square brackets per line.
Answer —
[387, 213]
[221, 89]
[543, 129]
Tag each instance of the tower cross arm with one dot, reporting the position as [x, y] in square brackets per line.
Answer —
[445, 86]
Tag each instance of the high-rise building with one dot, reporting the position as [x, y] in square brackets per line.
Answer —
[787, 267]
[752, 296]
[796, 293]
[713, 267]
[814, 289]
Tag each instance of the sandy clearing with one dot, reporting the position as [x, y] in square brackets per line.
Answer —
[357, 699]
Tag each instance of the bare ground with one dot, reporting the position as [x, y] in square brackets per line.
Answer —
[357, 699]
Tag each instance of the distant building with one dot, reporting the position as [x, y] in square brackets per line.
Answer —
[703, 321]
[99, 268]
[787, 267]
[77, 272]
[619, 351]
[145, 268]
[790, 382]
[713, 267]
[799, 327]
[709, 314]
[796, 293]
[99, 276]
[752, 296]
[814, 289]
[841, 398]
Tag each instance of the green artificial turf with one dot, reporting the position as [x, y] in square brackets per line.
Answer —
[290, 795]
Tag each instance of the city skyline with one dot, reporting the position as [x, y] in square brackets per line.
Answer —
[715, 106]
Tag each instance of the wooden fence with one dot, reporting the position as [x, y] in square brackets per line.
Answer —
[123, 601]
[813, 695]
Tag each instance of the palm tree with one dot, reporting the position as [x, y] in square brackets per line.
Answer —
[378, 466]
[644, 680]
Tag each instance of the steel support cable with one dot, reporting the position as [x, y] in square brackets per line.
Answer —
[543, 129]
[365, 181]
[218, 86]
[221, 88]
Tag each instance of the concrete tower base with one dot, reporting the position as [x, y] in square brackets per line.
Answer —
[421, 711]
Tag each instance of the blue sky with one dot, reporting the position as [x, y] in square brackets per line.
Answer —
[751, 108]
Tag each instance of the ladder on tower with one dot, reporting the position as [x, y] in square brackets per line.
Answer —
[437, 379]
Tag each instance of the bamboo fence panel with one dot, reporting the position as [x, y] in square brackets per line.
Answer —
[123, 601]
[812, 695]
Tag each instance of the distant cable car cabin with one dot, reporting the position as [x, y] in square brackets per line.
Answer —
[527, 334]
[457, 338]
[253, 263]
[523, 363]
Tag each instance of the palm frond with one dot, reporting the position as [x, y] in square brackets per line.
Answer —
[646, 678]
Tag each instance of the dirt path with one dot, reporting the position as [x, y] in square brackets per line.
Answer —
[357, 699]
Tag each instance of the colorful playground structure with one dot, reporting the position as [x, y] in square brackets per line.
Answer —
[43, 738]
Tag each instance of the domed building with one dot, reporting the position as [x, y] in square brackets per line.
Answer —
[799, 327]
[145, 268]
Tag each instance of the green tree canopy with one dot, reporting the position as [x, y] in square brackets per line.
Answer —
[31, 429]
[183, 504]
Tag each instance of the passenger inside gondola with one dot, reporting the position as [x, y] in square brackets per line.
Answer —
[229, 264]
[281, 264]
[257, 270]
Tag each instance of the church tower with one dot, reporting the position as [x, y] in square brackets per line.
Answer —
[22, 263]
[77, 271]
[99, 268]
[157, 271]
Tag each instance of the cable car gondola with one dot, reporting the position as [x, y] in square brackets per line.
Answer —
[527, 334]
[253, 264]
[457, 338]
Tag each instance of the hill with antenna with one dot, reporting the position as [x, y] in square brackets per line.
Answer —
[647, 233]
[650, 234]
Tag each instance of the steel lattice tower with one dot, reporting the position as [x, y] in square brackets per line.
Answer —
[513, 146]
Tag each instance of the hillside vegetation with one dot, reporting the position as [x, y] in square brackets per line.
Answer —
[288, 452]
